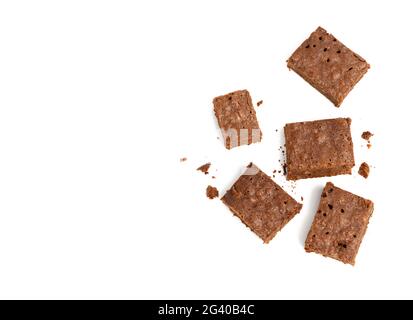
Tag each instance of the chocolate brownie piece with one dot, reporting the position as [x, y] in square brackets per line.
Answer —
[318, 148]
[237, 119]
[260, 203]
[339, 224]
[328, 65]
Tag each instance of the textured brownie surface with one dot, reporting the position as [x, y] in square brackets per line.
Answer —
[237, 119]
[328, 65]
[339, 224]
[260, 203]
[318, 148]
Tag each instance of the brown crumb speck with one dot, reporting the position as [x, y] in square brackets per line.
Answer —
[259, 103]
[183, 159]
[364, 170]
[211, 192]
[366, 135]
[204, 168]
[285, 169]
[302, 199]
[368, 145]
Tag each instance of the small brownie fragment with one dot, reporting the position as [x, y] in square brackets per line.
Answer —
[211, 192]
[328, 65]
[364, 170]
[318, 148]
[260, 203]
[204, 168]
[259, 103]
[183, 159]
[237, 119]
[339, 224]
[366, 135]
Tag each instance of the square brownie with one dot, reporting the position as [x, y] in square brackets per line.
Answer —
[237, 119]
[260, 203]
[318, 148]
[339, 224]
[328, 65]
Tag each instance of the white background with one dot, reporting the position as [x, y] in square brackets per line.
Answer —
[100, 99]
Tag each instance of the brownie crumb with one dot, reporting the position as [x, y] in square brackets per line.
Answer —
[368, 145]
[302, 199]
[204, 168]
[183, 159]
[364, 170]
[213, 177]
[285, 169]
[211, 192]
[366, 135]
[259, 103]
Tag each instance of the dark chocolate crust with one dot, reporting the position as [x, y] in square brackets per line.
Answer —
[318, 148]
[339, 224]
[260, 203]
[237, 119]
[328, 65]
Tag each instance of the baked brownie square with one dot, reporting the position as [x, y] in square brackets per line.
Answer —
[339, 224]
[318, 148]
[328, 65]
[260, 203]
[237, 119]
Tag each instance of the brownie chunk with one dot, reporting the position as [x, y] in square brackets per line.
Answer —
[339, 224]
[237, 119]
[260, 203]
[328, 65]
[318, 148]
[364, 170]
[211, 192]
